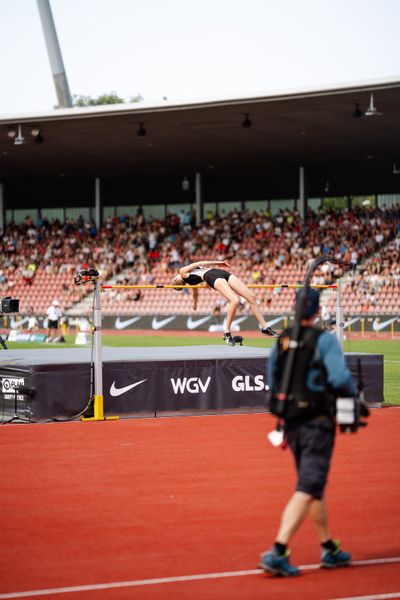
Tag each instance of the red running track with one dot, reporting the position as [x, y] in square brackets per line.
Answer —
[120, 502]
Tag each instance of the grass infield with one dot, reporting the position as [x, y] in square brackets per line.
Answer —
[389, 348]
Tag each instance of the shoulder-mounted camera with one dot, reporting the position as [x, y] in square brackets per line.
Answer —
[350, 413]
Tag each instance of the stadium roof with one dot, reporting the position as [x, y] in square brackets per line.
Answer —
[310, 128]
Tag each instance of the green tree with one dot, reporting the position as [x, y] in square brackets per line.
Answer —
[110, 98]
[358, 201]
[334, 202]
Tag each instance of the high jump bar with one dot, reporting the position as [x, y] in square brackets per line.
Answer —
[336, 286]
[173, 287]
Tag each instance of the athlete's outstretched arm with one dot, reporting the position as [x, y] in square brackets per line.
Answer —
[183, 271]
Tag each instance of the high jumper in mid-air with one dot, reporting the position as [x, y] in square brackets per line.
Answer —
[228, 285]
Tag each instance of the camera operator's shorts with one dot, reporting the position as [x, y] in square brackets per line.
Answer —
[212, 275]
[52, 324]
[311, 443]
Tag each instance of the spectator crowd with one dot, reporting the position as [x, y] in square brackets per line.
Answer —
[133, 250]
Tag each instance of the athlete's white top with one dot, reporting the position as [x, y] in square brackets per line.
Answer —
[199, 271]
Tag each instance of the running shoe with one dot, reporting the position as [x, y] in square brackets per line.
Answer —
[228, 339]
[267, 331]
[278, 564]
[330, 559]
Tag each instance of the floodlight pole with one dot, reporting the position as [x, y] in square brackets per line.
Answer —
[55, 57]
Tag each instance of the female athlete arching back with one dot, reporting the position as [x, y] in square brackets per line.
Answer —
[227, 284]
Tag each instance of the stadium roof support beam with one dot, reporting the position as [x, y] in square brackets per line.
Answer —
[55, 57]
[1, 207]
[199, 198]
[302, 199]
[97, 202]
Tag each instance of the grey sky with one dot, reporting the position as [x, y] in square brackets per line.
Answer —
[195, 49]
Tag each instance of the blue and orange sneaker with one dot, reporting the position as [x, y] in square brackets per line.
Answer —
[278, 564]
[330, 559]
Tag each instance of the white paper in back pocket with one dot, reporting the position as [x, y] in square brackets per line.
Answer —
[275, 437]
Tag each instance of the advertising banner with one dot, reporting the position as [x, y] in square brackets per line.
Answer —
[184, 385]
[159, 387]
[198, 322]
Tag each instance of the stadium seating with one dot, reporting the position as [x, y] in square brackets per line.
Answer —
[38, 263]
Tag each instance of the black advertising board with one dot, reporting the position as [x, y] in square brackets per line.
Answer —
[151, 381]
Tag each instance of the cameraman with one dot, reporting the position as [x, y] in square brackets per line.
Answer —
[319, 375]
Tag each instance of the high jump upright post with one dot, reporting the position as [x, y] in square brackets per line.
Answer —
[339, 314]
[92, 276]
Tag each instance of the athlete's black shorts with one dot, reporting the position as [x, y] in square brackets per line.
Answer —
[52, 324]
[213, 274]
[311, 443]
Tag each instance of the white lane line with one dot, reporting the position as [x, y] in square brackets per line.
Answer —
[134, 583]
[178, 579]
[373, 597]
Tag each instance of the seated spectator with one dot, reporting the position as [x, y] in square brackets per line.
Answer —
[134, 296]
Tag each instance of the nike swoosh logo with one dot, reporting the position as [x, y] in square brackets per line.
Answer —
[275, 321]
[351, 322]
[376, 326]
[123, 324]
[156, 324]
[193, 323]
[119, 391]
